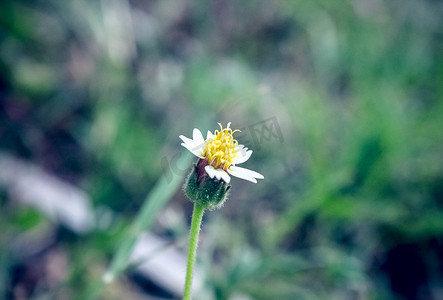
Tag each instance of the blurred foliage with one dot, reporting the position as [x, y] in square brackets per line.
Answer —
[97, 92]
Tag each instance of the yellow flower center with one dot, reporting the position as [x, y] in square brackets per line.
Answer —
[220, 150]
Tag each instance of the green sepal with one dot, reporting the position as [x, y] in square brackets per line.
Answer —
[211, 193]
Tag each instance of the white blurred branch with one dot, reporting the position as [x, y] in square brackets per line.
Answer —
[60, 201]
[66, 204]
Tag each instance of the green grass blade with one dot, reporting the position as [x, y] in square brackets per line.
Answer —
[154, 202]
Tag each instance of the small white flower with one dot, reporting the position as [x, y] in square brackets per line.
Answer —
[222, 153]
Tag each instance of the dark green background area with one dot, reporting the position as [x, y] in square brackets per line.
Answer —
[341, 101]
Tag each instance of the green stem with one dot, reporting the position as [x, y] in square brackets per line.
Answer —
[197, 216]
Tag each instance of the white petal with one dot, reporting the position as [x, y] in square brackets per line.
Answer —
[197, 136]
[198, 146]
[245, 174]
[196, 151]
[241, 148]
[209, 135]
[242, 156]
[185, 139]
[210, 170]
[218, 173]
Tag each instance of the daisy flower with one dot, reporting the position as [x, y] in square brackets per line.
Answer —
[220, 153]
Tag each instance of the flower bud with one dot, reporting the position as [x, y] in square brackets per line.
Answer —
[209, 192]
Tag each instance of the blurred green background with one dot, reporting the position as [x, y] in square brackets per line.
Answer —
[341, 102]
